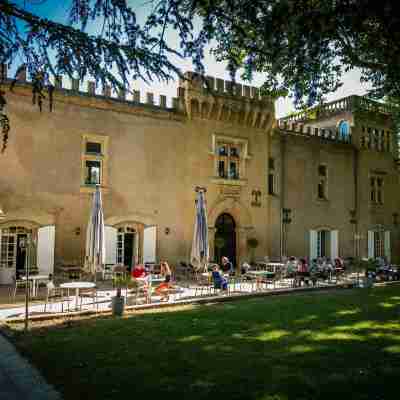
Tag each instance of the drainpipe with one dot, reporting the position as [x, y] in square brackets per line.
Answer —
[356, 208]
[282, 194]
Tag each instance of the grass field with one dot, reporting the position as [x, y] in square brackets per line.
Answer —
[337, 345]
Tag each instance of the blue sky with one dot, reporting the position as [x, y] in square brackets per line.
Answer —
[57, 10]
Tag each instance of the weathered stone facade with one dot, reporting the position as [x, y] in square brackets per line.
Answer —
[153, 157]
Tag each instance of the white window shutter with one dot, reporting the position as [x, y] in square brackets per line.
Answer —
[45, 249]
[334, 244]
[149, 244]
[371, 244]
[110, 234]
[387, 246]
[313, 244]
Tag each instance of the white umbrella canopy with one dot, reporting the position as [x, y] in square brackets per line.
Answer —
[95, 254]
[200, 252]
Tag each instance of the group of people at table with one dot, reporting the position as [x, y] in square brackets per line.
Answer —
[140, 274]
[318, 268]
[299, 269]
[218, 274]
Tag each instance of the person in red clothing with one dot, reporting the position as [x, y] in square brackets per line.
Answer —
[163, 288]
[302, 272]
[138, 271]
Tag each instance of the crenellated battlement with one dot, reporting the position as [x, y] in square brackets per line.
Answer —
[210, 84]
[205, 98]
[216, 99]
[89, 90]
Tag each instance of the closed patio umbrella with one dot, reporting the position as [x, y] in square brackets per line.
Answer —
[200, 253]
[95, 242]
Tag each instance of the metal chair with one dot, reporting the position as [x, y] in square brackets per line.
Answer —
[88, 293]
[118, 272]
[19, 284]
[108, 271]
[56, 293]
[135, 288]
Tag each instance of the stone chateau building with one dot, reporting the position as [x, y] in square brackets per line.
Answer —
[325, 183]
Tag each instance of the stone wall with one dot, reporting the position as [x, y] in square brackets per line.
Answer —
[156, 157]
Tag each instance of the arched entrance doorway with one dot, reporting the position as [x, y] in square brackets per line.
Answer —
[225, 238]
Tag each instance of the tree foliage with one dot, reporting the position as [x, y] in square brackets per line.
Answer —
[301, 47]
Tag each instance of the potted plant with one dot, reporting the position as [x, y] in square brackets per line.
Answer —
[252, 243]
[118, 301]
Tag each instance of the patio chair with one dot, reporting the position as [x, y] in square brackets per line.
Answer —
[183, 271]
[18, 284]
[135, 288]
[55, 294]
[90, 293]
[200, 290]
[108, 272]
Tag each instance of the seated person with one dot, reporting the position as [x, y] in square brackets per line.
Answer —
[291, 267]
[339, 266]
[219, 281]
[302, 271]
[245, 267]
[138, 271]
[314, 271]
[226, 266]
[322, 268]
[162, 288]
[327, 263]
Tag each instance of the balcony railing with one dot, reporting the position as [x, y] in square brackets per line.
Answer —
[350, 103]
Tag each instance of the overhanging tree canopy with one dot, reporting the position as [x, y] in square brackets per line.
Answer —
[301, 47]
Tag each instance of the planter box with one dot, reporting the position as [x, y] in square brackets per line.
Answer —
[118, 305]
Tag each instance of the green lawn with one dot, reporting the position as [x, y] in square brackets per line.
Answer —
[339, 345]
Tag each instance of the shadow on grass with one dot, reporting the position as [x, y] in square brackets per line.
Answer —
[295, 347]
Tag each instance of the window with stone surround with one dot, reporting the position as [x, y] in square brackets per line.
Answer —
[322, 192]
[379, 244]
[230, 155]
[376, 189]
[94, 161]
[228, 161]
[272, 181]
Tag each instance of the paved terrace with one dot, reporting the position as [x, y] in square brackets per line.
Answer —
[185, 293]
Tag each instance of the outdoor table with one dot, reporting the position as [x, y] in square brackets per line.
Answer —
[259, 275]
[77, 286]
[150, 281]
[35, 279]
[275, 264]
[267, 274]
[147, 279]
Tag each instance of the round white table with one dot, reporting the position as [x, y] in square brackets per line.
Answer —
[35, 280]
[77, 286]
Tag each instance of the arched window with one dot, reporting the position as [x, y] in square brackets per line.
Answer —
[344, 129]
